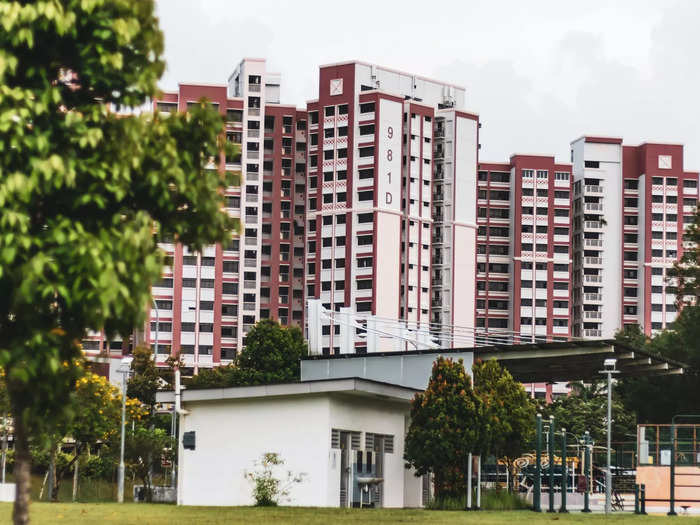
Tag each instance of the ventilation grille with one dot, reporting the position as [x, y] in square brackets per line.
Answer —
[355, 440]
[369, 441]
[388, 444]
[335, 438]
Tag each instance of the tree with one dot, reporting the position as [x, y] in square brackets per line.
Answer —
[586, 409]
[444, 427]
[508, 413]
[272, 355]
[687, 269]
[656, 399]
[144, 380]
[144, 447]
[97, 413]
[86, 194]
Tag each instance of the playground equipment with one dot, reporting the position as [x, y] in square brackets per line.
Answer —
[668, 463]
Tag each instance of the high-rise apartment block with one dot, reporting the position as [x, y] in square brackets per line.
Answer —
[373, 200]
[631, 205]
[523, 248]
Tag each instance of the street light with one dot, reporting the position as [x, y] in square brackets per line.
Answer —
[124, 370]
[609, 370]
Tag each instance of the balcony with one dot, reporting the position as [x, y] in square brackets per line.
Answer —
[593, 297]
[253, 133]
[254, 88]
[590, 332]
[592, 279]
[249, 284]
[593, 261]
[249, 306]
[595, 190]
[592, 315]
[593, 243]
[593, 207]
[592, 225]
[250, 263]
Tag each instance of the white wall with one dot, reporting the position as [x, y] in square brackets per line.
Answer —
[232, 435]
[379, 418]
[464, 244]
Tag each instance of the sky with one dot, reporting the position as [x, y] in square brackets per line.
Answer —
[539, 73]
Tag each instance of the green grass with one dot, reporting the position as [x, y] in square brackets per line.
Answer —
[144, 514]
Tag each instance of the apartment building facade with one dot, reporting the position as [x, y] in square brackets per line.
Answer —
[631, 206]
[372, 200]
[207, 302]
[523, 248]
[391, 215]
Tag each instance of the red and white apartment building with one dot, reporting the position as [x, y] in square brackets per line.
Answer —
[391, 216]
[631, 205]
[373, 201]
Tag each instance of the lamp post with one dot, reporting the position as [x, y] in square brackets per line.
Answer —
[587, 442]
[609, 370]
[124, 370]
[537, 494]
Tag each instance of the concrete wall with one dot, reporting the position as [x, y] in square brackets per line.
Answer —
[231, 436]
[410, 370]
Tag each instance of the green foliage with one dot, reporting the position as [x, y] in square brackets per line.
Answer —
[82, 189]
[657, 399]
[507, 409]
[687, 269]
[144, 449]
[144, 380]
[272, 355]
[586, 409]
[444, 427]
[508, 413]
[490, 500]
[268, 489]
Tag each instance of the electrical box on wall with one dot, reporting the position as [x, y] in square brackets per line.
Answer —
[188, 440]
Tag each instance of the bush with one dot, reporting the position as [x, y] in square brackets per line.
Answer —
[97, 467]
[268, 490]
[490, 500]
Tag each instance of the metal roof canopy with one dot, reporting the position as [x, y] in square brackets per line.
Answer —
[552, 362]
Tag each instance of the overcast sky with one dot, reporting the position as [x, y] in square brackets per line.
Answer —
[539, 73]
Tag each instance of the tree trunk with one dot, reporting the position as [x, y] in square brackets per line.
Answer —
[20, 514]
[75, 480]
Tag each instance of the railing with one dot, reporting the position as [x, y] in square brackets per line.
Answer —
[592, 315]
[596, 225]
[590, 332]
[249, 284]
[249, 306]
[593, 242]
[593, 189]
[593, 297]
[253, 154]
[593, 260]
[593, 206]
[254, 88]
[253, 133]
[593, 278]
[250, 263]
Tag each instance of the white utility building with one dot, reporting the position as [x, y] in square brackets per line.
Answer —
[345, 435]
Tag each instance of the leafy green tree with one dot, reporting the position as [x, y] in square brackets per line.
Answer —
[687, 269]
[82, 191]
[97, 415]
[586, 409]
[144, 380]
[656, 399]
[272, 355]
[508, 413]
[444, 428]
[144, 448]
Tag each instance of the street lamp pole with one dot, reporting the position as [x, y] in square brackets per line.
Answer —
[124, 370]
[609, 370]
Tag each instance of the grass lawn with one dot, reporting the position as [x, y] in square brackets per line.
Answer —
[144, 514]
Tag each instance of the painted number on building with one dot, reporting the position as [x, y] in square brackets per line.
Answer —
[389, 155]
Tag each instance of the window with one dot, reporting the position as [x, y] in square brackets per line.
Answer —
[363, 218]
[329, 111]
[559, 175]
[367, 151]
[164, 283]
[364, 240]
[591, 164]
[367, 107]
[364, 284]
[561, 194]
[187, 327]
[229, 288]
[367, 195]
